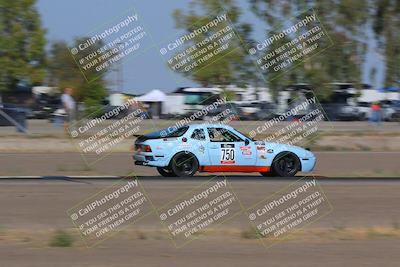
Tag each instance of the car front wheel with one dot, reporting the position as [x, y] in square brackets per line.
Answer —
[286, 165]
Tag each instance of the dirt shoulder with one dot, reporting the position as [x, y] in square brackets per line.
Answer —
[338, 136]
[211, 252]
[343, 142]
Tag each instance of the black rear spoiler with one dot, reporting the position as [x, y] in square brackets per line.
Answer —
[142, 138]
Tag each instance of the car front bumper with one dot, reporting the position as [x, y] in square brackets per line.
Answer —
[308, 164]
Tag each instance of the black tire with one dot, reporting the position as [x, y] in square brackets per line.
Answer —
[166, 172]
[286, 164]
[184, 164]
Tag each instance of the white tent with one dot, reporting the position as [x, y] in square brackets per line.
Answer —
[152, 96]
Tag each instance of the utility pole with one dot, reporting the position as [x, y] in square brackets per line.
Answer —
[119, 74]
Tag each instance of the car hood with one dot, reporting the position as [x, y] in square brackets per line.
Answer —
[299, 151]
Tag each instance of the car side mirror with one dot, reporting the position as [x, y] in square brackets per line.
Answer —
[246, 142]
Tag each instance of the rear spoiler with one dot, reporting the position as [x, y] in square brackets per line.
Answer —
[142, 138]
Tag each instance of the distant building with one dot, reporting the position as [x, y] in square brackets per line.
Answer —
[118, 99]
[187, 99]
[372, 95]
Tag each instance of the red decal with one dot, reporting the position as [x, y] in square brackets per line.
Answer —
[235, 168]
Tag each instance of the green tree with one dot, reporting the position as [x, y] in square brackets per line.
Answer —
[22, 42]
[343, 20]
[234, 67]
[64, 72]
[386, 26]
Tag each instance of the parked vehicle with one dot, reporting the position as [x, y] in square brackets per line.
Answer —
[267, 111]
[221, 112]
[387, 110]
[396, 111]
[45, 105]
[249, 111]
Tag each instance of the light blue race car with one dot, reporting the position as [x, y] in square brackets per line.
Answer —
[182, 151]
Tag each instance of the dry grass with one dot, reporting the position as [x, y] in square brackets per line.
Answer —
[71, 237]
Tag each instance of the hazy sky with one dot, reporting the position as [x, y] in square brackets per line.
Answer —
[66, 20]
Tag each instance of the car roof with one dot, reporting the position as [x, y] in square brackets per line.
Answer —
[195, 125]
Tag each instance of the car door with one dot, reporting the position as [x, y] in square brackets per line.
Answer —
[198, 145]
[225, 148]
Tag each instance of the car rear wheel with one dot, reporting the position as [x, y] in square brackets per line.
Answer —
[166, 172]
[286, 164]
[184, 164]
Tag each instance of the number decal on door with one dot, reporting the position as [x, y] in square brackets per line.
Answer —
[227, 154]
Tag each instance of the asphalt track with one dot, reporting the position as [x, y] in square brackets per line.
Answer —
[43, 202]
[35, 204]
[330, 164]
[82, 178]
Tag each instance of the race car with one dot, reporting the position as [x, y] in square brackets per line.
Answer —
[182, 151]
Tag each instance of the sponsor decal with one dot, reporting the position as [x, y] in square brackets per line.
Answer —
[170, 139]
[201, 149]
[185, 145]
[270, 151]
[246, 151]
[227, 155]
[261, 151]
